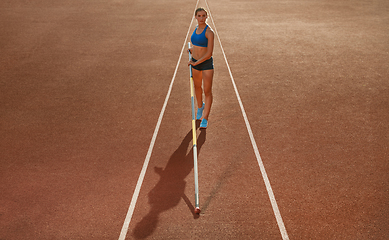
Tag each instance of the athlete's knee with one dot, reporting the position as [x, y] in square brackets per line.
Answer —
[208, 92]
[198, 87]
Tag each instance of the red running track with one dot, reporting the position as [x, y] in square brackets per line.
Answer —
[83, 84]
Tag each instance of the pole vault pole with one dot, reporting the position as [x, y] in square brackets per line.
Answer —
[196, 177]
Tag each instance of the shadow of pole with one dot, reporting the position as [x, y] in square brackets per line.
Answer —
[170, 188]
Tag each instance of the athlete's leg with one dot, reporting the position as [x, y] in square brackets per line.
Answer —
[208, 79]
[198, 81]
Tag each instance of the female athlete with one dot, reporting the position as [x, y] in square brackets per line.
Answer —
[202, 65]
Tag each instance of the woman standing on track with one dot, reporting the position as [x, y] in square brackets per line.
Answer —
[202, 65]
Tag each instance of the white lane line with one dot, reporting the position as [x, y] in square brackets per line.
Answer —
[269, 189]
[131, 209]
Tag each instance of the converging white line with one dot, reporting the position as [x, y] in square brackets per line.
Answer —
[131, 209]
[269, 189]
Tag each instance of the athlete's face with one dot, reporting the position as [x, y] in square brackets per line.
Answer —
[201, 17]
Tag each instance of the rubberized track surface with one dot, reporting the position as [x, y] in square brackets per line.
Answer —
[83, 83]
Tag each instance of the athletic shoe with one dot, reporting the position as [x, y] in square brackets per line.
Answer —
[204, 123]
[200, 112]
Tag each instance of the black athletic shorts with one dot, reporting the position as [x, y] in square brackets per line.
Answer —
[206, 65]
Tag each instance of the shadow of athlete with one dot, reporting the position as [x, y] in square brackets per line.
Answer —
[168, 192]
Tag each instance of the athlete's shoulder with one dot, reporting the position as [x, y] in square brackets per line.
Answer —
[209, 31]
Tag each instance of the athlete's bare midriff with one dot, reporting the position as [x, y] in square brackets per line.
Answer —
[198, 52]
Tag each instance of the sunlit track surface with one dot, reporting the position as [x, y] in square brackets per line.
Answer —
[83, 84]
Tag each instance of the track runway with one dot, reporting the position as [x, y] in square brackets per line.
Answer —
[96, 121]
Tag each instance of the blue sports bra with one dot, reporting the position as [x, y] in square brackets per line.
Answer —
[199, 39]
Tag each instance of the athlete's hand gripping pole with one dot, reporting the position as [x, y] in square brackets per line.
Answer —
[196, 178]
